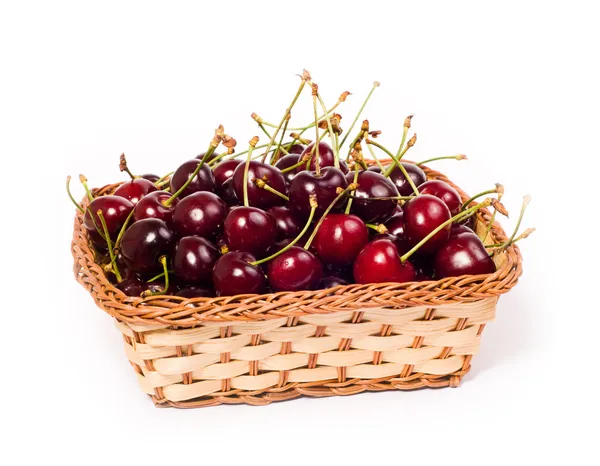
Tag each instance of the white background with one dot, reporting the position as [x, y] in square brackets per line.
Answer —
[514, 85]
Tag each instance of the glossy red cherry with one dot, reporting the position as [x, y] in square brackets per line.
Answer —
[459, 230]
[462, 255]
[331, 282]
[323, 187]
[422, 215]
[402, 185]
[115, 210]
[194, 258]
[132, 286]
[259, 197]
[288, 223]
[297, 149]
[233, 274]
[135, 189]
[151, 206]
[144, 242]
[289, 161]
[294, 270]
[250, 229]
[373, 184]
[224, 171]
[193, 291]
[203, 181]
[227, 193]
[445, 192]
[150, 177]
[395, 225]
[201, 214]
[379, 262]
[326, 157]
[340, 238]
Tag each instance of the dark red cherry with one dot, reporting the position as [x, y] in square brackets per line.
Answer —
[150, 177]
[459, 230]
[445, 192]
[416, 174]
[135, 189]
[250, 229]
[259, 197]
[379, 262]
[193, 291]
[194, 258]
[151, 206]
[395, 225]
[132, 286]
[289, 161]
[340, 238]
[422, 215]
[115, 210]
[201, 214]
[331, 282]
[288, 223]
[227, 193]
[373, 184]
[399, 241]
[203, 181]
[375, 168]
[326, 157]
[233, 274]
[144, 242]
[462, 255]
[294, 270]
[224, 171]
[297, 149]
[323, 187]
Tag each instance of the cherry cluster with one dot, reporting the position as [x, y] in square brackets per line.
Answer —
[303, 220]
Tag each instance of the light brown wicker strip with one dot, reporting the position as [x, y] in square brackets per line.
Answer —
[342, 341]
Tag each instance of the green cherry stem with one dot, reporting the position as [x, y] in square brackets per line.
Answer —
[336, 149]
[397, 163]
[457, 217]
[317, 161]
[523, 235]
[313, 208]
[404, 133]
[147, 293]
[340, 193]
[500, 191]
[482, 193]
[253, 143]
[446, 157]
[113, 259]
[156, 277]
[526, 201]
[261, 184]
[75, 203]
[301, 162]
[163, 180]
[376, 84]
[280, 148]
[83, 180]
[381, 228]
[375, 158]
[122, 231]
[351, 196]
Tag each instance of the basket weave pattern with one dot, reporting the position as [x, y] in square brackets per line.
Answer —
[257, 349]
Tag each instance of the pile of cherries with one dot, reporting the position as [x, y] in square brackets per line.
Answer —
[223, 226]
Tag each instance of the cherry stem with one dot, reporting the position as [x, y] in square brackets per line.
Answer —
[301, 162]
[317, 161]
[314, 148]
[98, 230]
[75, 203]
[208, 153]
[147, 293]
[500, 191]
[404, 133]
[111, 253]
[397, 163]
[83, 180]
[284, 118]
[313, 208]
[446, 157]
[381, 228]
[482, 193]
[163, 180]
[280, 147]
[253, 143]
[123, 166]
[263, 185]
[375, 158]
[341, 194]
[351, 196]
[389, 198]
[122, 231]
[156, 277]
[526, 201]
[439, 228]
[332, 135]
[375, 85]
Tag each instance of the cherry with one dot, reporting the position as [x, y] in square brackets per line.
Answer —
[340, 238]
[204, 180]
[259, 197]
[210, 157]
[227, 193]
[373, 184]
[193, 291]
[399, 241]
[224, 171]
[297, 149]
[115, 210]
[422, 215]
[414, 172]
[150, 177]
[287, 222]
[326, 157]
[395, 227]
[132, 286]
[233, 274]
[331, 282]
[152, 206]
[250, 229]
[460, 229]
[445, 192]
[375, 168]
[144, 242]
[135, 189]
[323, 187]
[200, 213]
[194, 258]
[379, 262]
[289, 161]
[462, 255]
[294, 270]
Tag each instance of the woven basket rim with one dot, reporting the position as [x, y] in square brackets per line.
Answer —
[179, 312]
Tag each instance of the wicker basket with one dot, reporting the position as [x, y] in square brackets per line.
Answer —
[341, 341]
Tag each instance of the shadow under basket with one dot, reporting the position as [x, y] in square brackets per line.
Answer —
[257, 349]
